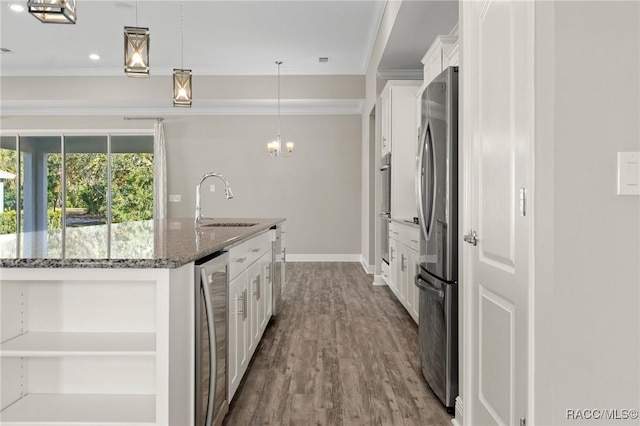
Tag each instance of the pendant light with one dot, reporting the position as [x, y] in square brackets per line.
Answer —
[53, 11]
[275, 147]
[181, 77]
[136, 50]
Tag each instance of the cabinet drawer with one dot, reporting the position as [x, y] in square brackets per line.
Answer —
[407, 235]
[247, 252]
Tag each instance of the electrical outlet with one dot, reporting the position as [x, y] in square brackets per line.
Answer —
[175, 198]
[212, 187]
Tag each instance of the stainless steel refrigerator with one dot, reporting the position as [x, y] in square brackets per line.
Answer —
[437, 276]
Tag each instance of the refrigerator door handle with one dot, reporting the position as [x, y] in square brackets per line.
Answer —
[424, 285]
[419, 189]
[204, 285]
[433, 180]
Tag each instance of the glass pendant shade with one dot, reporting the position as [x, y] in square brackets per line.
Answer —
[289, 147]
[136, 51]
[182, 88]
[274, 147]
[53, 11]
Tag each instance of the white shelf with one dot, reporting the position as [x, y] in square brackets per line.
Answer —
[44, 344]
[76, 409]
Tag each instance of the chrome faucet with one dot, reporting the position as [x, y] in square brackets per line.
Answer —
[227, 192]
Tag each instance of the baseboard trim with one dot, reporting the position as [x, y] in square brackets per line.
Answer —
[323, 258]
[458, 420]
[368, 269]
[379, 280]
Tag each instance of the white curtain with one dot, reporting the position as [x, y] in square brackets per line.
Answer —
[160, 172]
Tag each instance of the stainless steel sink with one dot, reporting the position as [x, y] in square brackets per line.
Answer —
[229, 224]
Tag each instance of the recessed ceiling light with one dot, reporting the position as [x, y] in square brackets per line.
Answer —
[94, 56]
[16, 7]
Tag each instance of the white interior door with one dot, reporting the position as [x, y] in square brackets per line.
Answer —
[497, 128]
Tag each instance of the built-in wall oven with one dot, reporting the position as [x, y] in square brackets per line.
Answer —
[212, 282]
[385, 205]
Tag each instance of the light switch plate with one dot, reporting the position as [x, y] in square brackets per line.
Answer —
[212, 187]
[175, 198]
[629, 173]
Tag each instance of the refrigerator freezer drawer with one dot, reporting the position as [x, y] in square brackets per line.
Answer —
[438, 336]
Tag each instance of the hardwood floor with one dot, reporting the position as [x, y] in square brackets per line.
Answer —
[341, 352]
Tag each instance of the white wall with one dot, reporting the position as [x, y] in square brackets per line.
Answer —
[587, 297]
[317, 188]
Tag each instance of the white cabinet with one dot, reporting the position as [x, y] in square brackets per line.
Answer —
[399, 136]
[442, 54]
[404, 244]
[385, 124]
[393, 266]
[250, 308]
[239, 321]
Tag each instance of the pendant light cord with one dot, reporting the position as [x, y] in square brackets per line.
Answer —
[279, 63]
[182, 35]
[136, 13]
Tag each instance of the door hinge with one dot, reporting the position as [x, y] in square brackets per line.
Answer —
[523, 201]
[523, 422]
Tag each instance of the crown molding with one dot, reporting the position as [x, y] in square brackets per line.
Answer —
[401, 74]
[165, 108]
[198, 71]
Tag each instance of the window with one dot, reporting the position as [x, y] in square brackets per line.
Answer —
[74, 180]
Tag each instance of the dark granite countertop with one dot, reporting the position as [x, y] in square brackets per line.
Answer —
[167, 243]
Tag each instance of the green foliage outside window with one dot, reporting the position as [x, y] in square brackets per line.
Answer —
[86, 176]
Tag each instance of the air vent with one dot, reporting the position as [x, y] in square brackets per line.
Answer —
[323, 59]
[5, 50]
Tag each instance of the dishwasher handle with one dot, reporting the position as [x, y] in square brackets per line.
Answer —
[205, 282]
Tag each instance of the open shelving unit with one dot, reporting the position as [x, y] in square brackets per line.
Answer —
[75, 350]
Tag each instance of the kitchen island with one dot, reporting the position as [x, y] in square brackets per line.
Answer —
[97, 323]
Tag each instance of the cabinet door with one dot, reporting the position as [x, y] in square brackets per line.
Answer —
[238, 330]
[393, 265]
[433, 66]
[267, 268]
[402, 274]
[385, 112]
[413, 294]
[256, 307]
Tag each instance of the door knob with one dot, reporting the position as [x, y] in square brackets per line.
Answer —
[471, 238]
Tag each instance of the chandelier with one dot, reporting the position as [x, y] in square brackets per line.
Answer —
[275, 147]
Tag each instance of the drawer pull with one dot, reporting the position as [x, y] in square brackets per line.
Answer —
[241, 260]
[414, 241]
[255, 250]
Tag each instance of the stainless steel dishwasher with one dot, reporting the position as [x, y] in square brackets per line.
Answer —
[212, 282]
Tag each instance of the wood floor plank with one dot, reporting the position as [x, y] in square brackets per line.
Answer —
[340, 352]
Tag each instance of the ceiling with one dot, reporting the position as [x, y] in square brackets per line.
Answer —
[232, 37]
[220, 37]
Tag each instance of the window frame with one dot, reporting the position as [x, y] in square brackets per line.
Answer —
[62, 133]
